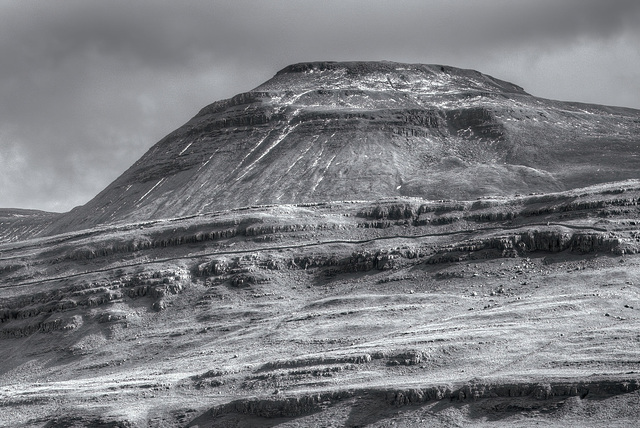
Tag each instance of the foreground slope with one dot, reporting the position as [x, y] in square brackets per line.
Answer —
[498, 311]
[369, 130]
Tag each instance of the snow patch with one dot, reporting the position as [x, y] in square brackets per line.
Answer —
[287, 130]
[183, 150]
[210, 157]
[301, 156]
[252, 150]
[150, 190]
[326, 168]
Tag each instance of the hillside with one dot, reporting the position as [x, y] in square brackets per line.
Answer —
[499, 311]
[334, 131]
[18, 224]
[349, 244]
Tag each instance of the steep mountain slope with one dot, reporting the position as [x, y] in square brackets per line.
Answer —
[367, 130]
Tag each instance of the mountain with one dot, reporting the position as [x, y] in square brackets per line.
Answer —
[367, 130]
[349, 244]
[19, 224]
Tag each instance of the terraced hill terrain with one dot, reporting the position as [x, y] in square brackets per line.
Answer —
[514, 302]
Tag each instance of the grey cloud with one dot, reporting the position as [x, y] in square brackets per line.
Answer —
[169, 33]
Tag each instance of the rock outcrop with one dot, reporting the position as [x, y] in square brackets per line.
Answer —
[279, 407]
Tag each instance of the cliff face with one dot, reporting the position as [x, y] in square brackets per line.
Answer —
[365, 130]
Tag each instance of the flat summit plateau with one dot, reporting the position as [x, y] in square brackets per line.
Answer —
[349, 244]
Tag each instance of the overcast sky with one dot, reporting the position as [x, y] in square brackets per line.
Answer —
[86, 87]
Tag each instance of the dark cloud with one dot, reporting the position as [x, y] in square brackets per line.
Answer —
[87, 87]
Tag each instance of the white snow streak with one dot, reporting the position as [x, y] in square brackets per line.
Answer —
[251, 151]
[210, 157]
[317, 159]
[183, 150]
[150, 190]
[288, 129]
[319, 156]
[326, 168]
[301, 156]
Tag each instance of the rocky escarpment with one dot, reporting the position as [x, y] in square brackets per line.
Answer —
[251, 248]
[67, 306]
[550, 396]
[336, 131]
[504, 227]
[619, 199]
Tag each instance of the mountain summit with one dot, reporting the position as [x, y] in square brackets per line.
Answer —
[325, 131]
